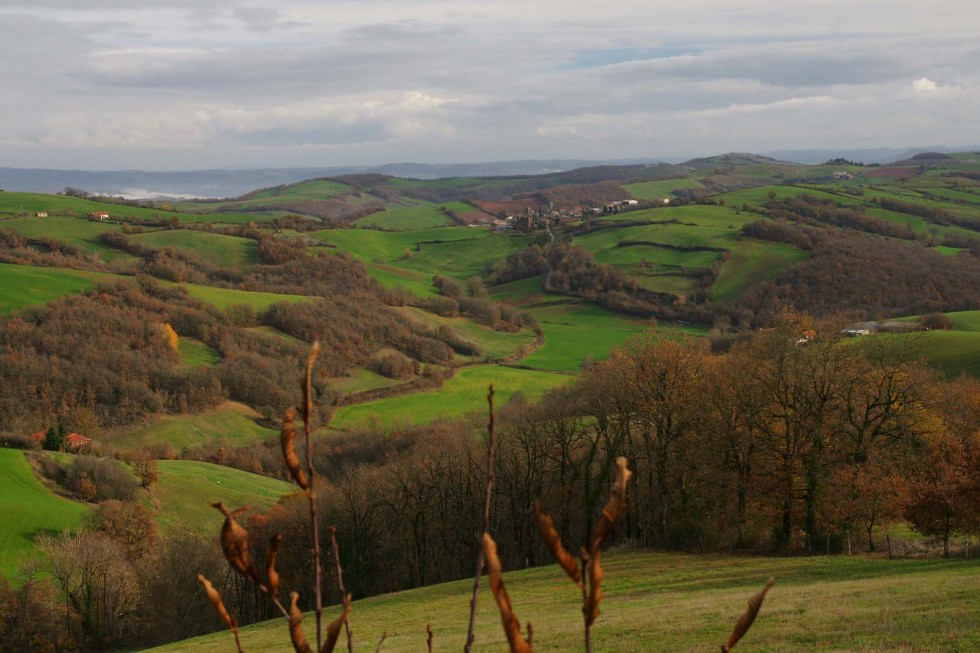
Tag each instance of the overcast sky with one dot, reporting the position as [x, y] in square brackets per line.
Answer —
[185, 84]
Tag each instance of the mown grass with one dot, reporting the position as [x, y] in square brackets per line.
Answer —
[194, 353]
[390, 276]
[753, 262]
[186, 488]
[231, 421]
[678, 602]
[79, 232]
[28, 509]
[495, 344]
[660, 189]
[219, 249]
[464, 393]
[27, 285]
[411, 216]
[222, 298]
[360, 379]
[574, 332]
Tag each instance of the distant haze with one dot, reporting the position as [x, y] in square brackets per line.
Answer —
[201, 84]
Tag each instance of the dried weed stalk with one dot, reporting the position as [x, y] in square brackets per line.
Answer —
[745, 621]
[509, 620]
[491, 475]
[234, 542]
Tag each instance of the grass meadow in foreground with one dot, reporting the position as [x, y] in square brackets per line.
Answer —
[26, 285]
[28, 509]
[680, 602]
[464, 393]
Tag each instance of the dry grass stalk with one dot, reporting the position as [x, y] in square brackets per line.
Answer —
[234, 544]
[429, 636]
[611, 513]
[287, 439]
[748, 617]
[333, 628]
[219, 606]
[384, 636]
[271, 575]
[511, 624]
[552, 541]
[311, 491]
[300, 645]
[344, 596]
[491, 475]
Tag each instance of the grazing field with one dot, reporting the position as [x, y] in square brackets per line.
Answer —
[412, 216]
[221, 250]
[222, 298]
[79, 232]
[230, 421]
[194, 353]
[753, 262]
[676, 602]
[957, 351]
[28, 509]
[464, 393]
[660, 189]
[26, 285]
[186, 488]
[391, 277]
[495, 344]
[574, 332]
[361, 379]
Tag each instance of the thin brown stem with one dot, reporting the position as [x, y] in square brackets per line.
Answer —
[491, 452]
[311, 493]
[384, 636]
[429, 636]
[238, 642]
[344, 597]
[585, 601]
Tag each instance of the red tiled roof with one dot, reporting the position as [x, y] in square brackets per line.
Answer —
[74, 440]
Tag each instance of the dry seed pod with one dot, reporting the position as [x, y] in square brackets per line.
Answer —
[615, 505]
[511, 624]
[552, 540]
[333, 630]
[300, 645]
[271, 575]
[745, 621]
[216, 601]
[429, 636]
[287, 439]
[234, 543]
[308, 382]
[591, 606]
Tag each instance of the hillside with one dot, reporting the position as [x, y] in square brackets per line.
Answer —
[674, 602]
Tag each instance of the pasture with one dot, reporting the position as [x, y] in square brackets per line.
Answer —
[464, 393]
[679, 602]
[412, 215]
[186, 488]
[218, 249]
[80, 232]
[27, 285]
[28, 509]
[753, 262]
[659, 189]
[223, 298]
[230, 421]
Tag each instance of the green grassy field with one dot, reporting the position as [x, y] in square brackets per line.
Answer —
[194, 353]
[957, 351]
[575, 331]
[186, 488]
[496, 344]
[28, 509]
[412, 215]
[79, 232]
[464, 393]
[221, 250]
[361, 379]
[392, 277]
[659, 189]
[27, 285]
[222, 298]
[676, 602]
[230, 420]
[753, 262]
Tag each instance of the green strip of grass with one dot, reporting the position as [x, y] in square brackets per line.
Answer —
[28, 509]
[230, 421]
[27, 285]
[464, 393]
[186, 488]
